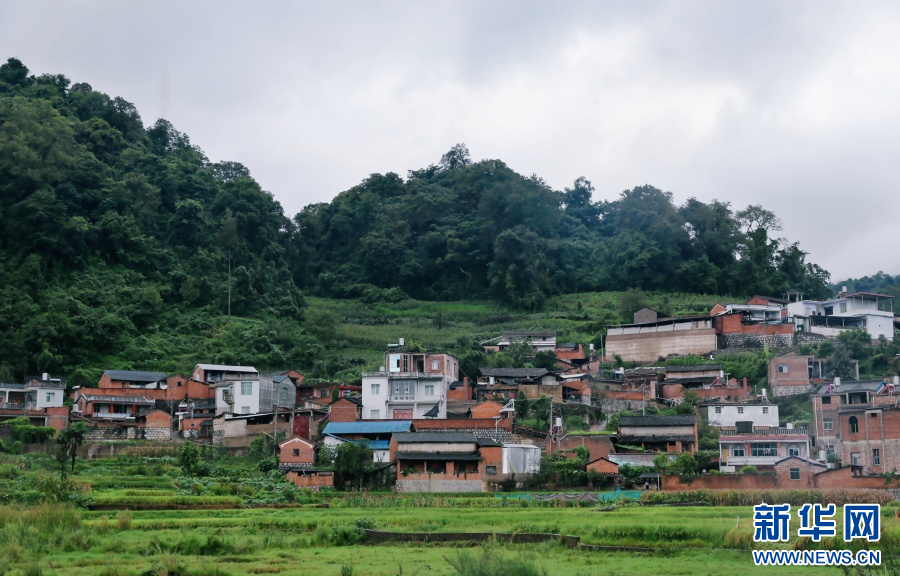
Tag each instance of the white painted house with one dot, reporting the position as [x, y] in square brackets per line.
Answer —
[410, 385]
[867, 311]
[727, 415]
[237, 387]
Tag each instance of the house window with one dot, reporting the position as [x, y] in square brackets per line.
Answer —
[827, 424]
[782, 368]
[296, 451]
[765, 410]
[826, 399]
[876, 457]
[284, 394]
[374, 414]
[718, 409]
[854, 425]
[245, 409]
[854, 458]
[490, 469]
[843, 307]
[49, 397]
[429, 389]
[435, 365]
[793, 450]
[795, 473]
[323, 393]
[246, 388]
[740, 409]
[738, 451]
[764, 449]
[375, 389]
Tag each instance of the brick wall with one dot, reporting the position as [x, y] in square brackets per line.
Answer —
[486, 410]
[57, 418]
[651, 346]
[722, 482]
[344, 411]
[599, 445]
[306, 452]
[313, 482]
[427, 424]
[603, 467]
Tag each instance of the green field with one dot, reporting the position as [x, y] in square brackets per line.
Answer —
[63, 541]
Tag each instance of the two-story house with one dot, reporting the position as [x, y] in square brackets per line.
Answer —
[858, 424]
[410, 385]
[746, 445]
[237, 387]
[761, 414]
[539, 340]
[867, 311]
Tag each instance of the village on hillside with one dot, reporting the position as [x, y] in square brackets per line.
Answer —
[430, 428]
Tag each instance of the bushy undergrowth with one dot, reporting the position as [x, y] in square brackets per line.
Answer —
[491, 562]
[838, 497]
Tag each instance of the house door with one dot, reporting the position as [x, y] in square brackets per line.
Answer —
[301, 425]
[403, 414]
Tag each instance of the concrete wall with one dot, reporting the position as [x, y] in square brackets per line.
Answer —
[650, 346]
[439, 485]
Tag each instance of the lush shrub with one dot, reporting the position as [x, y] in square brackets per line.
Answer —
[838, 497]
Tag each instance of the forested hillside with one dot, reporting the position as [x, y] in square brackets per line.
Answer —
[118, 242]
[463, 229]
[116, 239]
[881, 283]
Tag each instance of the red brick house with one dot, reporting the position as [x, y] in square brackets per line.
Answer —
[345, 410]
[658, 433]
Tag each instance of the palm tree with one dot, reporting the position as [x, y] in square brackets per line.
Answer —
[69, 440]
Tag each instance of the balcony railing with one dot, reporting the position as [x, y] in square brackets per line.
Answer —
[753, 460]
[112, 416]
[402, 397]
[17, 405]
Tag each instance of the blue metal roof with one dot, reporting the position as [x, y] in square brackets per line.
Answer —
[375, 427]
[380, 444]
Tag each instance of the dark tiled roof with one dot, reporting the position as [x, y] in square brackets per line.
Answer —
[690, 379]
[514, 372]
[649, 439]
[527, 333]
[439, 437]
[687, 420]
[699, 368]
[133, 376]
[488, 442]
[436, 456]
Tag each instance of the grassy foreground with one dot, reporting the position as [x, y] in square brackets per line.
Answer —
[60, 540]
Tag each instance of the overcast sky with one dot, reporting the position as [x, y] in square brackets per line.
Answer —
[791, 105]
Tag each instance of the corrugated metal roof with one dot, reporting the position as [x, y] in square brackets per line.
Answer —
[514, 372]
[135, 376]
[635, 459]
[373, 427]
[528, 333]
[223, 368]
[686, 420]
[444, 437]
[118, 399]
[698, 368]
[870, 385]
